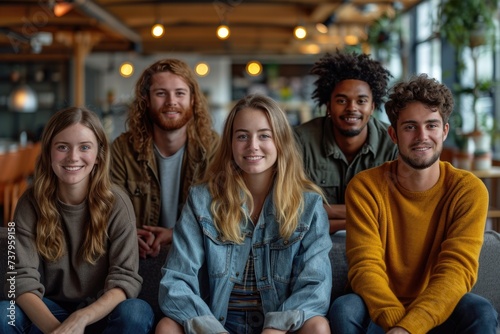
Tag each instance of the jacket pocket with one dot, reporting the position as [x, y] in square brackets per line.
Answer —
[220, 251]
[282, 256]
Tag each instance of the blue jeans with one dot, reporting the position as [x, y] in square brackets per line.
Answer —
[472, 315]
[132, 316]
[244, 322]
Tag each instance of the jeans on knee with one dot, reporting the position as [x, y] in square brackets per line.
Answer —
[348, 314]
[473, 314]
[14, 320]
[134, 316]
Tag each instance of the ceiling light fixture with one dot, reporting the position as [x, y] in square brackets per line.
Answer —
[157, 30]
[126, 69]
[300, 32]
[60, 8]
[254, 68]
[223, 31]
[23, 99]
[202, 69]
[321, 28]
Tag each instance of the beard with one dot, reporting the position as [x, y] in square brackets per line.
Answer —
[168, 124]
[420, 164]
[349, 132]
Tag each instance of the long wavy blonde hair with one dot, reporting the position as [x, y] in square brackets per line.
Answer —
[50, 241]
[228, 188]
[140, 124]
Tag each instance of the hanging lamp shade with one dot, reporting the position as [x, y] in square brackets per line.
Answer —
[23, 99]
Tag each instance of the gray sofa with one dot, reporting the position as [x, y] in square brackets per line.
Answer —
[488, 284]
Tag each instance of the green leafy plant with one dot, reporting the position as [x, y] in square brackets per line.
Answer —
[469, 24]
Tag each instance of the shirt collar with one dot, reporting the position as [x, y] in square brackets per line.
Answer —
[331, 147]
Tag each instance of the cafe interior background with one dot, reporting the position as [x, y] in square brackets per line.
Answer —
[60, 53]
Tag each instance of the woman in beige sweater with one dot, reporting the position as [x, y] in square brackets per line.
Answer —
[76, 256]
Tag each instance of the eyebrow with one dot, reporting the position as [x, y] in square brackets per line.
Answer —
[434, 120]
[259, 130]
[345, 95]
[80, 143]
[175, 89]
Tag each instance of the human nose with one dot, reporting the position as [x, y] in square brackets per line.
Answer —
[421, 133]
[170, 100]
[351, 105]
[253, 143]
[72, 155]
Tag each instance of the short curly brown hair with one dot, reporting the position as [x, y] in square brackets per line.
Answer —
[334, 68]
[421, 88]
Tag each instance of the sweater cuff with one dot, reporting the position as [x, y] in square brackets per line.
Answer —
[291, 320]
[417, 321]
[390, 317]
[205, 324]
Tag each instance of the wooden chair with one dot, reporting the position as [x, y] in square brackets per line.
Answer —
[10, 174]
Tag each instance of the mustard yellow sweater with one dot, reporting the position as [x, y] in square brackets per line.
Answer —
[413, 255]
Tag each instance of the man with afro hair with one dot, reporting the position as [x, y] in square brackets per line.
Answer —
[347, 139]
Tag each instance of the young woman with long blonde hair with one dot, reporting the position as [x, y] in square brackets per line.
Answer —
[259, 226]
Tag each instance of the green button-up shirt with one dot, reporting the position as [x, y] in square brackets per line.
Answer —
[327, 165]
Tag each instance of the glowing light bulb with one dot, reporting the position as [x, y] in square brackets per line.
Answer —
[223, 32]
[254, 68]
[202, 69]
[300, 32]
[126, 70]
[158, 30]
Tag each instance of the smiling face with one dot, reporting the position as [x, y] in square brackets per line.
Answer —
[170, 101]
[351, 105]
[73, 154]
[254, 150]
[419, 135]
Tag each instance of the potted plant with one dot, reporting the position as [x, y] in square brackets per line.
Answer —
[470, 24]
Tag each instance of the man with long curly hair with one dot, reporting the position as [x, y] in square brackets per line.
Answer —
[167, 148]
[348, 139]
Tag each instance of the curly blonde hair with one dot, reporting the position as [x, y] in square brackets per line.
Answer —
[140, 124]
[228, 189]
[50, 241]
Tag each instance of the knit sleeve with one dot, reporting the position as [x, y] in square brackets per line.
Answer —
[26, 255]
[455, 272]
[365, 252]
[123, 251]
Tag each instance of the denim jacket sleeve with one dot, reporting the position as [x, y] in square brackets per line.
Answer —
[311, 272]
[179, 291]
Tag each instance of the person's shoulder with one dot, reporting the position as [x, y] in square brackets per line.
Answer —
[379, 124]
[122, 140]
[459, 175]
[375, 174]
[199, 190]
[122, 202]
[311, 126]
[121, 197]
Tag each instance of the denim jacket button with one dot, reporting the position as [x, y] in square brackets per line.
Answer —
[285, 242]
[237, 274]
[221, 319]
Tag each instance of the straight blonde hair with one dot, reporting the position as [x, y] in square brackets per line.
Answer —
[228, 189]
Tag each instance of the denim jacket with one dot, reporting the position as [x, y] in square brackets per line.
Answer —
[294, 276]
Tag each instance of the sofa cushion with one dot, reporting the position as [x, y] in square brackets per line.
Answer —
[488, 282]
[339, 264]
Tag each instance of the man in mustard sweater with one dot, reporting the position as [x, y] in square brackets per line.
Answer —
[414, 230]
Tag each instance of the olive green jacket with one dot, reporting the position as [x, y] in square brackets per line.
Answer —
[144, 189]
